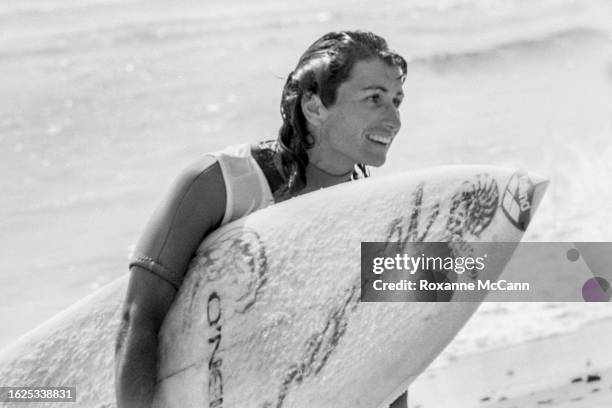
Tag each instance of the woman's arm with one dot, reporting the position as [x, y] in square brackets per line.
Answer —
[194, 207]
[147, 303]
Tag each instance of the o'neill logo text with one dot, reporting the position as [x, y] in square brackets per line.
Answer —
[215, 379]
[517, 200]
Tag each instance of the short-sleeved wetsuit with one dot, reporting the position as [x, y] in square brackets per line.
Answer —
[239, 178]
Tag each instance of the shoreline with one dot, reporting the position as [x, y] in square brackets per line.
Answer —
[567, 370]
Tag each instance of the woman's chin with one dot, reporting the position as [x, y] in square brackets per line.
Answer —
[376, 161]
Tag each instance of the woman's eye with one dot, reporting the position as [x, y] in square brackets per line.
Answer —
[374, 98]
[397, 102]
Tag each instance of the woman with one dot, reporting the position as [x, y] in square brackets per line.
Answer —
[340, 113]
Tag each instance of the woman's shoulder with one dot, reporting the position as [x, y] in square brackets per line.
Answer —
[205, 167]
[209, 166]
[201, 181]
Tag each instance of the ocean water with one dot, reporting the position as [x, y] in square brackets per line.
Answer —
[104, 101]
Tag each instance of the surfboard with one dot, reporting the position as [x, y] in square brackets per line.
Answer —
[270, 315]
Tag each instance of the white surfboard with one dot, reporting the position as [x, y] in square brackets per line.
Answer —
[270, 314]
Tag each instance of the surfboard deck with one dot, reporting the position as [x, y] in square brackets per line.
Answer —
[269, 314]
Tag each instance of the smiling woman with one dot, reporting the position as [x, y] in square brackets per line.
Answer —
[346, 87]
[340, 113]
[360, 126]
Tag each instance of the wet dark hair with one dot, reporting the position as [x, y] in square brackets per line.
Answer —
[325, 65]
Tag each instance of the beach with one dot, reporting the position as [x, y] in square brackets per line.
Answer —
[104, 102]
[574, 370]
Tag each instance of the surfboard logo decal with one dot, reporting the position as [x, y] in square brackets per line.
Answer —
[215, 379]
[232, 271]
[233, 268]
[239, 257]
[318, 347]
[470, 210]
[415, 217]
[415, 232]
[517, 200]
[473, 207]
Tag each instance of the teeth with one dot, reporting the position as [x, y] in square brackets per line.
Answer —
[380, 139]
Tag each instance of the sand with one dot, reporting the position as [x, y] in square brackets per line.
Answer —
[561, 371]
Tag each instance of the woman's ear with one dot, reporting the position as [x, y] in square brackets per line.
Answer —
[313, 109]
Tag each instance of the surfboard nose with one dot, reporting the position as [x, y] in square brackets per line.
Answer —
[540, 185]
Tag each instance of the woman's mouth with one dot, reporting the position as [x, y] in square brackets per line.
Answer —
[380, 139]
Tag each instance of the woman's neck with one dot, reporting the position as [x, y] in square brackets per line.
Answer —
[317, 175]
[317, 178]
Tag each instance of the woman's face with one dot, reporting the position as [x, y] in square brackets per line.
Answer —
[361, 124]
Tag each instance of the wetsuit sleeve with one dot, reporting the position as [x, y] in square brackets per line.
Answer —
[193, 208]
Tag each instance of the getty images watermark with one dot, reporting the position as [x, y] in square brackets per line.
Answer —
[486, 271]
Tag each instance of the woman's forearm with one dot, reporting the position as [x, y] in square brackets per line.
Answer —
[147, 304]
[136, 364]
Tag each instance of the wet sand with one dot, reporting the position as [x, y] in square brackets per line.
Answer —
[562, 371]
